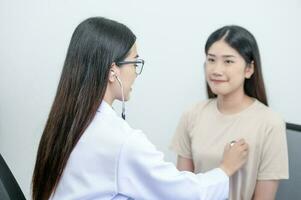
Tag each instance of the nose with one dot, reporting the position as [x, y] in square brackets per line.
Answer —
[218, 69]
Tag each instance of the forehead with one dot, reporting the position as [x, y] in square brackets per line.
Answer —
[221, 48]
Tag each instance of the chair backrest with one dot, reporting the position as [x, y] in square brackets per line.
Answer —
[9, 188]
[291, 188]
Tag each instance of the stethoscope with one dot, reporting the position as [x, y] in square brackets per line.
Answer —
[122, 96]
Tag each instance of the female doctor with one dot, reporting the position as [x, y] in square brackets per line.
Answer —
[88, 152]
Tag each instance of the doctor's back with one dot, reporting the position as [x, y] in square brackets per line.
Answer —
[92, 169]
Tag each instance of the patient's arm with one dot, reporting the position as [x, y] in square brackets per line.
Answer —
[266, 190]
[185, 164]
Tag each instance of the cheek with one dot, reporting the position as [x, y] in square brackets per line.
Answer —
[133, 75]
[237, 77]
[131, 78]
[129, 75]
[207, 73]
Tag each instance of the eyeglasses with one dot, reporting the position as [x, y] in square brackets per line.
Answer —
[137, 63]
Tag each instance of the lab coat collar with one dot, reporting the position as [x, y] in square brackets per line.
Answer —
[105, 108]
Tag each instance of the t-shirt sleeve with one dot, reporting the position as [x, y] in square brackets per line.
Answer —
[274, 157]
[181, 142]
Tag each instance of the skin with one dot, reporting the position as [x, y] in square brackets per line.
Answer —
[226, 71]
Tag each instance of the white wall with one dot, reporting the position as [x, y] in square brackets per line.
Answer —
[34, 36]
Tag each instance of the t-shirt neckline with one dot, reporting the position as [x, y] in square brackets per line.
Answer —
[246, 110]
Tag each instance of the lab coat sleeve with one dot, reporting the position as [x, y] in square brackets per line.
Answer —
[143, 174]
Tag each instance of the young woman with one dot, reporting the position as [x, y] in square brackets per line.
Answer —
[88, 152]
[237, 107]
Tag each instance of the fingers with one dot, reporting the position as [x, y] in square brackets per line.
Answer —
[245, 147]
[241, 145]
[227, 147]
[241, 142]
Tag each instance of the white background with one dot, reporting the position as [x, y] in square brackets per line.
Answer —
[34, 36]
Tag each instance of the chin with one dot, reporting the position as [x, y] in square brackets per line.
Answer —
[127, 97]
[219, 92]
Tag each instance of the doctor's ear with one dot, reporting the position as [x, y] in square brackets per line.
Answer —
[112, 75]
[114, 71]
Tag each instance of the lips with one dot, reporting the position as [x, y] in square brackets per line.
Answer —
[217, 81]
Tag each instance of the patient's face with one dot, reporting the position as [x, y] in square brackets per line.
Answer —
[226, 69]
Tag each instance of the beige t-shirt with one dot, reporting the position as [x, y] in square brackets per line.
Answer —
[203, 132]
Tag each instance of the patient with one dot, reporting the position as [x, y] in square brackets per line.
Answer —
[237, 107]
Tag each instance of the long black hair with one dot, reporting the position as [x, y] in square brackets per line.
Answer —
[95, 44]
[245, 44]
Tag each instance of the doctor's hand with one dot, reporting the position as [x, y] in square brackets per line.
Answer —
[235, 155]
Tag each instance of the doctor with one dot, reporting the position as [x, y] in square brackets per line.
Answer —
[88, 152]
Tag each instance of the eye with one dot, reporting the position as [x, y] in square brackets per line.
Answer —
[210, 60]
[229, 61]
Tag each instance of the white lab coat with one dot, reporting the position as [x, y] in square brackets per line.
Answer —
[114, 161]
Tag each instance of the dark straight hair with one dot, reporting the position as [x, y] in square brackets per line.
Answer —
[95, 44]
[245, 44]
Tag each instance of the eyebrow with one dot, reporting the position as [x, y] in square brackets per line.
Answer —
[224, 56]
